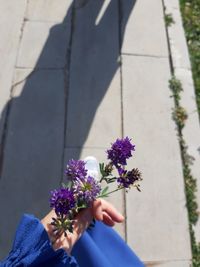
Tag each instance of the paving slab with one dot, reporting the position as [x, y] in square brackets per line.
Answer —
[183, 72]
[10, 29]
[157, 224]
[158, 213]
[116, 199]
[94, 89]
[34, 149]
[169, 264]
[191, 131]
[48, 10]
[96, 124]
[178, 45]
[145, 30]
[43, 45]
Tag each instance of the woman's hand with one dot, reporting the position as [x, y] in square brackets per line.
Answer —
[101, 210]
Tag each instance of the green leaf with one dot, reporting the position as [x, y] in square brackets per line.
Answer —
[111, 180]
[138, 187]
[82, 206]
[106, 195]
[68, 184]
[101, 167]
[104, 191]
[64, 185]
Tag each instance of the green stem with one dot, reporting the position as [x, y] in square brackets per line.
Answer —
[105, 195]
[102, 178]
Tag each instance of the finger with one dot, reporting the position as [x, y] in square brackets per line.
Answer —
[108, 220]
[111, 211]
[97, 210]
[83, 219]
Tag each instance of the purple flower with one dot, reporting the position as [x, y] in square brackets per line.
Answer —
[62, 200]
[87, 190]
[120, 151]
[76, 169]
[128, 178]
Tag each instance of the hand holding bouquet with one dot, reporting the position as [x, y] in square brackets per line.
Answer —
[83, 189]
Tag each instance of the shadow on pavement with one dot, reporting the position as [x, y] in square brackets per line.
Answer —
[53, 106]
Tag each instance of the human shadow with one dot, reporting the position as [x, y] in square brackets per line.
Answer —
[53, 106]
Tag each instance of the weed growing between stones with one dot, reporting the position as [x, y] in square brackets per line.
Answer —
[180, 116]
[169, 20]
[190, 10]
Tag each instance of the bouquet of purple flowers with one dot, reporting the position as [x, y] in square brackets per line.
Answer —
[82, 186]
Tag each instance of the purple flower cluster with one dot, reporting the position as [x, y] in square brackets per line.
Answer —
[128, 178]
[83, 187]
[62, 200]
[76, 170]
[120, 151]
[87, 190]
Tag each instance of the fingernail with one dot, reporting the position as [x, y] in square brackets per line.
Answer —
[121, 216]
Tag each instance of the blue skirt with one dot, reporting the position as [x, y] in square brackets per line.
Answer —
[99, 247]
[103, 247]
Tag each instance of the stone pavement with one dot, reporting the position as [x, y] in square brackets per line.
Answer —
[75, 76]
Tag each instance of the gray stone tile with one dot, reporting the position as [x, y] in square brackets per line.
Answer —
[178, 45]
[191, 131]
[48, 10]
[117, 198]
[94, 91]
[43, 45]
[144, 31]
[182, 69]
[158, 213]
[10, 33]
[33, 152]
[20, 78]
[91, 120]
[181, 263]
[171, 4]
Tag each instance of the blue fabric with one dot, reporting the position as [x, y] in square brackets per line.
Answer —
[98, 247]
[103, 247]
[32, 247]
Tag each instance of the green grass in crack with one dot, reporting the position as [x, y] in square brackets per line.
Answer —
[190, 10]
[176, 88]
[195, 249]
[169, 20]
[180, 117]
